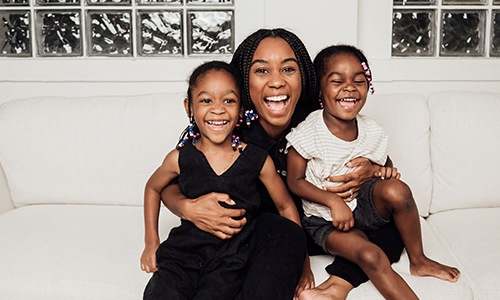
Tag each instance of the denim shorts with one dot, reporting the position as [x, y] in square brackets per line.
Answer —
[365, 216]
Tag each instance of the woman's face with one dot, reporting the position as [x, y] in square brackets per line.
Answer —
[275, 84]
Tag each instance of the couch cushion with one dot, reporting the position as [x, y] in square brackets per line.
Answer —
[471, 235]
[405, 117]
[465, 138]
[60, 252]
[86, 150]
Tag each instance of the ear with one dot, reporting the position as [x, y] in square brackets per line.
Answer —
[186, 107]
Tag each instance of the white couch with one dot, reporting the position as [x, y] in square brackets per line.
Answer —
[71, 222]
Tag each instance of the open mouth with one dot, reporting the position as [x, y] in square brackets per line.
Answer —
[347, 102]
[217, 124]
[277, 103]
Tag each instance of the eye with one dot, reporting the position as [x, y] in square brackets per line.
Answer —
[289, 69]
[230, 100]
[261, 71]
[205, 100]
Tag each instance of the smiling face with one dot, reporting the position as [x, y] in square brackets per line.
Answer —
[215, 105]
[344, 88]
[275, 84]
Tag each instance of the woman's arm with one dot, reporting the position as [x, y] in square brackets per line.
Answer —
[364, 170]
[205, 211]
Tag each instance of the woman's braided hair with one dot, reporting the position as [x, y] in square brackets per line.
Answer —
[243, 56]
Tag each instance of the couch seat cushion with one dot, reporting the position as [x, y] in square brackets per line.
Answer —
[72, 252]
[472, 236]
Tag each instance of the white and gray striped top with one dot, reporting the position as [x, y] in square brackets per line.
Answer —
[327, 155]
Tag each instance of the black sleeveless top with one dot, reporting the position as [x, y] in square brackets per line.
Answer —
[239, 181]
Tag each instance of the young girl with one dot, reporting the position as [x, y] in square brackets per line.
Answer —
[192, 263]
[320, 147]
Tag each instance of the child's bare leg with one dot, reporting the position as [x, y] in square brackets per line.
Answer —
[394, 197]
[354, 246]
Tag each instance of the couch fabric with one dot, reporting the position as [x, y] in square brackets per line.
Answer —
[73, 172]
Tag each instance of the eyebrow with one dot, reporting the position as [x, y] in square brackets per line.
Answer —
[340, 74]
[230, 91]
[263, 61]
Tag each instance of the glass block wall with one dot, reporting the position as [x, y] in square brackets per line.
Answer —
[116, 28]
[446, 28]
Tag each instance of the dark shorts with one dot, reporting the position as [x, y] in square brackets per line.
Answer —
[365, 215]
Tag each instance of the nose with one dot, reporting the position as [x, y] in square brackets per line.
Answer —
[276, 80]
[349, 88]
[218, 108]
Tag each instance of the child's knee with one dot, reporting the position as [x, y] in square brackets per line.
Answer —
[372, 259]
[396, 193]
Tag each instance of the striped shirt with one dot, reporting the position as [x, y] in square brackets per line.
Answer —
[327, 155]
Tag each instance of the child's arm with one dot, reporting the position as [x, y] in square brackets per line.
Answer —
[296, 170]
[168, 170]
[388, 171]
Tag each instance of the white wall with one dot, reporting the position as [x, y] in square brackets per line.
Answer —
[319, 23]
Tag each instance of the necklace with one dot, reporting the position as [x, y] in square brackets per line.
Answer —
[229, 161]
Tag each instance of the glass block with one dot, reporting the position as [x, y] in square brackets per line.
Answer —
[14, 2]
[15, 33]
[58, 2]
[495, 33]
[109, 33]
[159, 2]
[462, 33]
[210, 2]
[160, 32]
[465, 2]
[58, 33]
[414, 2]
[210, 32]
[413, 32]
[108, 2]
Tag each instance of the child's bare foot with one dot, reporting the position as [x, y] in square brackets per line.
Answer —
[320, 294]
[334, 288]
[429, 267]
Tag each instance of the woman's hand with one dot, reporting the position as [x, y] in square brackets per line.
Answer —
[205, 212]
[306, 281]
[208, 215]
[364, 170]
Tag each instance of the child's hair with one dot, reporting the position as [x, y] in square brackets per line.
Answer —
[324, 55]
[242, 58]
[191, 133]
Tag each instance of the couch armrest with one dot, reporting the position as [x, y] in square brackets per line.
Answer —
[5, 199]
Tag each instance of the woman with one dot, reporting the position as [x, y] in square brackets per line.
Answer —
[280, 86]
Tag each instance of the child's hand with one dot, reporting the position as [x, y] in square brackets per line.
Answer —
[388, 173]
[342, 216]
[148, 258]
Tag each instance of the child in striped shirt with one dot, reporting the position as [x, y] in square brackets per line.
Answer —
[320, 147]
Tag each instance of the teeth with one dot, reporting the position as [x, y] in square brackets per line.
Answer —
[217, 122]
[277, 98]
[349, 99]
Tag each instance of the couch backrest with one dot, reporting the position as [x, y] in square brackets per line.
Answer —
[406, 119]
[97, 150]
[465, 143]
